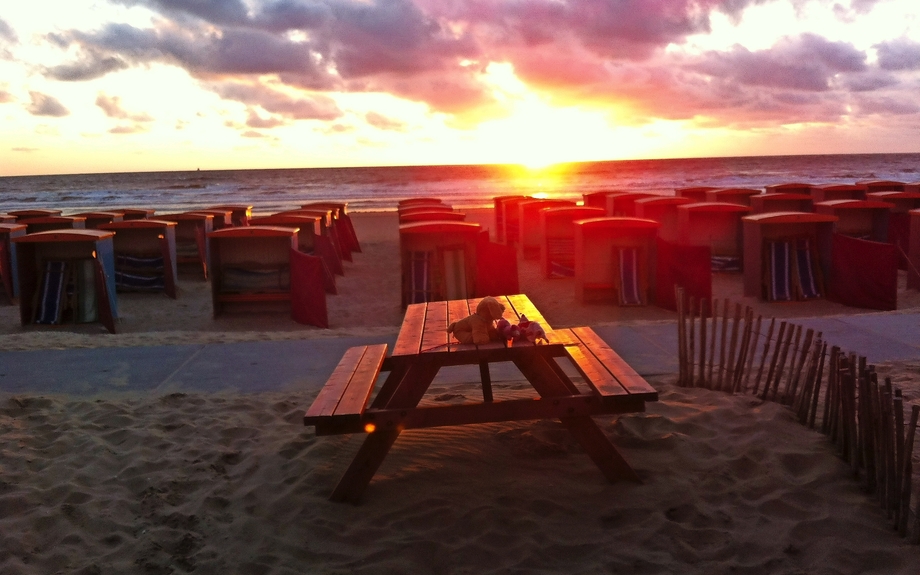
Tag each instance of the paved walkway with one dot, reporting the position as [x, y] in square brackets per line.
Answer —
[302, 365]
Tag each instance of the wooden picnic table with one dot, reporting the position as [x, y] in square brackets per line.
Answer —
[608, 386]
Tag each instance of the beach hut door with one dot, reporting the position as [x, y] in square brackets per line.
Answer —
[455, 286]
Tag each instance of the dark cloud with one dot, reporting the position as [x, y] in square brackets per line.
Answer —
[900, 54]
[888, 106]
[128, 129]
[315, 107]
[91, 66]
[45, 105]
[805, 63]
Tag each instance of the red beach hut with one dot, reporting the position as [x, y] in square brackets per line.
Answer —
[557, 250]
[530, 236]
[717, 225]
[438, 261]
[828, 192]
[662, 209]
[192, 229]
[865, 219]
[8, 268]
[781, 202]
[615, 260]
[740, 196]
[145, 255]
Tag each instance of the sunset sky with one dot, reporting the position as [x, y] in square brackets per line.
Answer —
[138, 85]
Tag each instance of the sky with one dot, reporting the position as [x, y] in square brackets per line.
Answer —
[147, 85]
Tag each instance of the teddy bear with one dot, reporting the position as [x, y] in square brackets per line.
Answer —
[479, 328]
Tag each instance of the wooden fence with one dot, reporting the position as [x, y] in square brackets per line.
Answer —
[723, 347]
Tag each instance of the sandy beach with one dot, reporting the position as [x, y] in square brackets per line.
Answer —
[234, 483]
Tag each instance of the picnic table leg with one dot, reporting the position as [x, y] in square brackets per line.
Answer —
[542, 375]
[377, 444]
[486, 381]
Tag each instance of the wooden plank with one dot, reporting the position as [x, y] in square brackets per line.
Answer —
[409, 341]
[457, 310]
[358, 391]
[594, 372]
[625, 374]
[329, 396]
[434, 334]
[522, 305]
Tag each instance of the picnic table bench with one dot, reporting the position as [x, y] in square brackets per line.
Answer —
[609, 386]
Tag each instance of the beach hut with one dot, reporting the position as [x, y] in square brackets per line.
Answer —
[913, 269]
[789, 188]
[740, 196]
[342, 227]
[34, 213]
[695, 193]
[310, 240]
[624, 205]
[415, 202]
[92, 220]
[529, 232]
[222, 217]
[433, 209]
[615, 260]
[46, 223]
[438, 260]
[781, 202]
[828, 192]
[662, 209]
[67, 276]
[192, 229]
[8, 268]
[240, 214]
[135, 213]
[506, 218]
[899, 219]
[428, 216]
[7, 219]
[327, 246]
[717, 225]
[259, 268]
[787, 255]
[882, 186]
[865, 219]
[557, 226]
[145, 255]
[597, 199]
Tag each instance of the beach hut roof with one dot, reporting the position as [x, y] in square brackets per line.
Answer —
[894, 195]
[855, 204]
[841, 187]
[664, 201]
[65, 236]
[7, 228]
[439, 227]
[787, 187]
[790, 218]
[714, 207]
[136, 224]
[619, 223]
[254, 232]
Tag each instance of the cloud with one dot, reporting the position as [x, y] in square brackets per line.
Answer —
[900, 54]
[111, 106]
[5, 97]
[45, 105]
[91, 66]
[128, 129]
[252, 134]
[313, 107]
[22, 149]
[384, 123]
[256, 121]
[7, 33]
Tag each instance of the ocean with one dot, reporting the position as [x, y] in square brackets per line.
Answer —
[380, 188]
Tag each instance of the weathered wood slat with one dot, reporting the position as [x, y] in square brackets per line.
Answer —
[348, 388]
[409, 341]
[434, 335]
[622, 371]
[358, 391]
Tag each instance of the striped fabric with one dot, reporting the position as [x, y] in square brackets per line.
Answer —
[805, 275]
[51, 297]
[630, 292]
[561, 255]
[780, 286]
[419, 277]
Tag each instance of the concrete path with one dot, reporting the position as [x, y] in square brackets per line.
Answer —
[301, 365]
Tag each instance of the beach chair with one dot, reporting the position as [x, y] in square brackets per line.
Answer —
[662, 209]
[861, 219]
[789, 188]
[781, 202]
[614, 260]
[192, 229]
[717, 225]
[67, 276]
[309, 238]
[530, 232]
[47, 223]
[439, 260]
[787, 255]
[259, 269]
[740, 196]
[8, 267]
[828, 192]
[145, 256]
[240, 214]
[557, 250]
[92, 220]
